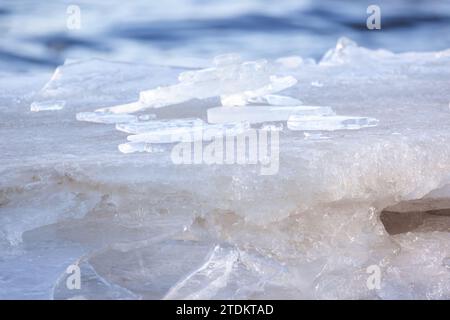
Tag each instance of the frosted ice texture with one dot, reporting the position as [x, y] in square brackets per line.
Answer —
[141, 227]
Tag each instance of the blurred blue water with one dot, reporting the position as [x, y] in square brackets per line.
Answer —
[189, 32]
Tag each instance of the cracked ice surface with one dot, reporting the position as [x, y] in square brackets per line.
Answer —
[140, 226]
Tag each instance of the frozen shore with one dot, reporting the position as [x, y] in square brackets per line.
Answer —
[140, 226]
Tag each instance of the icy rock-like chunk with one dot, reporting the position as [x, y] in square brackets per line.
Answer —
[337, 55]
[406, 278]
[254, 77]
[243, 98]
[47, 105]
[190, 133]
[142, 127]
[109, 118]
[314, 216]
[257, 114]
[348, 51]
[329, 123]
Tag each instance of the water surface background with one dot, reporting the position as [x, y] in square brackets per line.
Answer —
[34, 34]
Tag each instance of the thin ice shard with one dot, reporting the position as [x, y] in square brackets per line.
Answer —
[258, 114]
[329, 123]
[254, 77]
[109, 118]
[190, 133]
[47, 105]
[243, 98]
[142, 127]
[275, 100]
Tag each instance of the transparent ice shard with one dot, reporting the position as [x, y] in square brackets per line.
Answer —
[123, 108]
[142, 127]
[275, 100]
[257, 114]
[243, 98]
[329, 123]
[101, 117]
[247, 79]
[131, 147]
[47, 105]
[190, 133]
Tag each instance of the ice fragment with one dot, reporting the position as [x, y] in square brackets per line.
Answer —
[47, 106]
[100, 117]
[189, 133]
[257, 114]
[329, 123]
